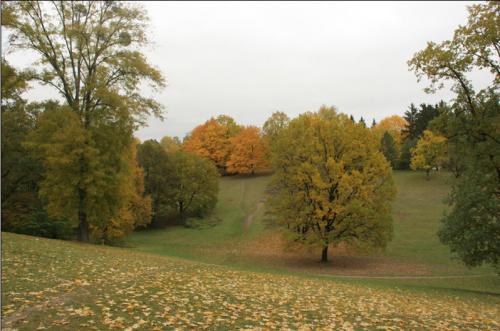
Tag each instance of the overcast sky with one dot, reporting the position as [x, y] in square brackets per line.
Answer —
[249, 59]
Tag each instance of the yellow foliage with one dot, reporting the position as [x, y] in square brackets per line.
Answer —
[394, 125]
[429, 153]
[331, 183]
[136, 209]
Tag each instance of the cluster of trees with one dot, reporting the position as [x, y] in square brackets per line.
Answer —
[181, 184]
[471, 127]
[389, 131]
[399, 137]
[233, 148]
[73, 163]
[22, 209]
[462, 136]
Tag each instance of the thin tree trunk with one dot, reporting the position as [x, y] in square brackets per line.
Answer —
[427, 172]
[83, 225]
[156, 206]
[181, 211]
[324, 254]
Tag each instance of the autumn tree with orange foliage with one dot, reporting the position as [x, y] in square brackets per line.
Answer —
[394, 125]
[248, 152]
[210, 140]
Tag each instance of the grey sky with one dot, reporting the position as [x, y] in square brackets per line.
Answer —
[248, 59]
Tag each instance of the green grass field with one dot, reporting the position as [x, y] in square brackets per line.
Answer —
[414, 251]
[238, 198]
[238, 274]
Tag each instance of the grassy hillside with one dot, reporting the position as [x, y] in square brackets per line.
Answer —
[414, 251]
[416, 211]
[238, 198]
[56, 285]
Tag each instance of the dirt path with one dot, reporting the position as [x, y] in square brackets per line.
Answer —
[249, 219]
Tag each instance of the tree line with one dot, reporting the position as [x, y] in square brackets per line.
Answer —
[74, 164]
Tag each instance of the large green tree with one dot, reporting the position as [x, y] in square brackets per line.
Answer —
[158, 173]
[90, 52]
[331, 184]
[472, 123]
[272, 128]
[21, 172]
[179, 182]
[16, 123]
[194, 186]
[418, 119]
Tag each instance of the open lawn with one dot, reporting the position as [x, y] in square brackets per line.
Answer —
[238, 198]
[57, 285]
[240, 274]
[414, 258]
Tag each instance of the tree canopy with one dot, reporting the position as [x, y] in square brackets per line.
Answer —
[156, 163]
[274, 125]
[394, 125]
[472, 126]
[210, 140]
[429, 153]
[248, 152]
[195, 185]
[171, 144]
[389, 149]
[21, 171]
[331, 184]
[91, 54]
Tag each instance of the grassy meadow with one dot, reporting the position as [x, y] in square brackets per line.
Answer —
[163, 232]
[57, 285]
[414, 258]
[239, 273]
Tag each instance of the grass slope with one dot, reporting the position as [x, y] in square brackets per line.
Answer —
[414, 251]
[56, 285]
[238, 198]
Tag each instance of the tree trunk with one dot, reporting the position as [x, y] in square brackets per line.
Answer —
[324, 254]
[427, 172]
[181, 211]
[83, 226]
[156, 206]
